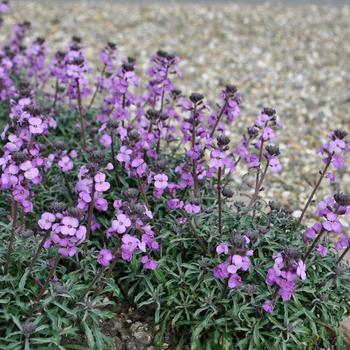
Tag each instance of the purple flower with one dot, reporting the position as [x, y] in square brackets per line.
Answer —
[66, 164]
[322, 250]
[268, 306]
[220, 271]
[301, 270]
[148, 263]
[222, 248]
[275, 165]
[121, 224]
[333, 224]
[69, 226]
[105, 257]
[192, 208]
[160, 181]
[234, 281]
[100, 184]
[46, 220]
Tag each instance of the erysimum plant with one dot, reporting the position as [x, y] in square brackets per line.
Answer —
[117, 189]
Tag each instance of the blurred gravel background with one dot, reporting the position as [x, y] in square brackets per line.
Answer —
[293, 58]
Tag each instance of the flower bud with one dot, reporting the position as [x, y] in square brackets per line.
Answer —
[269, 111]
[28, 328]
[273, 150]
[196, 97]
[75, 212]
[340, 134]
[223, 140]
[342, 199]
[227, 192]
[57, 207]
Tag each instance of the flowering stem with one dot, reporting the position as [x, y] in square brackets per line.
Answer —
[319, 236]
[56, 95]
[194, 161]
[259, 168]
[81, 116]
[218, 118]
[36, 255]
[195, 234]
[67, 185]
[112, 150]
[92, 283]
[322, 174]
[96, 90]
[342, 255]
[47, 281]
[12, 237]
[91, 210]
[219, 202]
[258, 186]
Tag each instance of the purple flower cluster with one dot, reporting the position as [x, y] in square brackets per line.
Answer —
[237, 258]
[22, 160]
[262, 132]
[133, 223]
[65, 229]
[330, 211]
[287, 270]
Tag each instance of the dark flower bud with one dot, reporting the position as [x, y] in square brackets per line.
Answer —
[27, 233]
[269, 111]
[161, 164]
[340, 134]
[134, 135]
[166, 55]
[78, 61]
[39, 40]
[152, 114]
[137, 209]
[113, 124]
[59, 288]
[131, 193]
[272, 150]
[252, 131]
[75, 212]
[223, 140]
[128, 67]
[227, 192]
[57, 207]
[250, 289]
[97, 157]
[60, 55]
[163, 116]
[92, 167]
[290, 328]
[195, 201]
[292, 253]
[59, 145]
[324, 297]
[42, 233]
[28, 328]
[111, 45]
[342, 199]
[196, 97]
[238, 240]
[19, 157]
[275, 206]
[231, 89]
[175, 93]
[131, 60]
[76, 39]
[252, 235]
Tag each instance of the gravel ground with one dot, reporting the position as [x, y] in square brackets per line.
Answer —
[292, 58]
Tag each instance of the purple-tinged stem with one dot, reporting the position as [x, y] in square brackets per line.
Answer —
[316, 240]
[96, 90]
[343, 255]
[219, 203]
[218, 118]
[81, 116]
[322, 174]
[46, 284]
[91, 210]
[37, 253]
[12, 237]
[258, 186]
[194, 161]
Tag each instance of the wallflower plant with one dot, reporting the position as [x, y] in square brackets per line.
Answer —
[118, 188]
